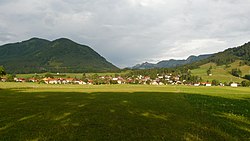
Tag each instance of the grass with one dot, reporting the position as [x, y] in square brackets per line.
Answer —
[221, 73]
[123, 112]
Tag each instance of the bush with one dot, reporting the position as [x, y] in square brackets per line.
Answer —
[245, 83]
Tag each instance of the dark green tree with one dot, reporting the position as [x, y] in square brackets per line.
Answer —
[236, 72]
[49, 75]
[215, 82]
[245, 83]
[2, 71]
[209, 71]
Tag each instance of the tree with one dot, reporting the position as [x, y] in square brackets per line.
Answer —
[245, 83]
[209, 71]
[49, 75]
[10, 77]
[2, 71]
[236, 72]
[215, 82]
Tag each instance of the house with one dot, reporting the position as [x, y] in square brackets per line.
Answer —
[46, 80]
[19, 79]
[80, 82]
[69, 80]
[114, 79]
[160, 77]
[234, 85]
[208, 84]
[221, 84]
[33, 80]
[120, 80]
[53, 81]
[197, 84]
[90, 82]
[140, 76]
[3, 79]
[154, 83]
[63, 81]
[160, 83]
[176, 78]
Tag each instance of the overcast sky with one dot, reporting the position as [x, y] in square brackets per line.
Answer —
[127, 32]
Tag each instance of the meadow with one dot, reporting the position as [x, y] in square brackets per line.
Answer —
[123, 112]
[221, 73]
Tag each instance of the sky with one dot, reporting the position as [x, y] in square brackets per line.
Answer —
[128, 32]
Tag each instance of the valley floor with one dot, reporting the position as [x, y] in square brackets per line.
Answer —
[123, 112]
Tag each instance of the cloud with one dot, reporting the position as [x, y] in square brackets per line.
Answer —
[127, 32]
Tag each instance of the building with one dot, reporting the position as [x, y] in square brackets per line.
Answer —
[208, 84]
[234, 85]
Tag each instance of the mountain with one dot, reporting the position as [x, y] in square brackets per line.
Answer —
[171, 63]
[226, 57]
[61, 55]
[145, 65]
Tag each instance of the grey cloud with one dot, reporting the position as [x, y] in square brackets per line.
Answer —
[127, 32]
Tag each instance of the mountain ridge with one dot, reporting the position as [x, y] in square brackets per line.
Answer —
[171, 63]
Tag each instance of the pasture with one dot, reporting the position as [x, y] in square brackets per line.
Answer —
[123, 112]
[221, 73]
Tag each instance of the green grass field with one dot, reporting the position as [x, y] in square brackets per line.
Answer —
[221, 73]
[123, 112]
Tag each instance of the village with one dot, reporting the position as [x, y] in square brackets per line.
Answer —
[166, 79]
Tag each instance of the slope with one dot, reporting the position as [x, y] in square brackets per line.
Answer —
[221, 73]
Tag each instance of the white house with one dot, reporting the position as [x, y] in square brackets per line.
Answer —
[160, 77]
[160, 83]
[197, 84]
[53, 81]
[234, 85]
[154, 83]
[208, 85]
[114, 79]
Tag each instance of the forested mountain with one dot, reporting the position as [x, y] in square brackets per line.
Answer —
[61, 55]
[228, 56]
[171, 63]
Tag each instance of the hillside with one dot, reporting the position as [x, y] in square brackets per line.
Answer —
[226, 57]
[170, 63]
[61, 55]
[221, 73]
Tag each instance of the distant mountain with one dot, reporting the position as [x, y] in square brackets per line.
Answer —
[61, 55]
[145, 65]
[171, 63]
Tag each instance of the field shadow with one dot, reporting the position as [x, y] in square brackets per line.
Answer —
[121, 116]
